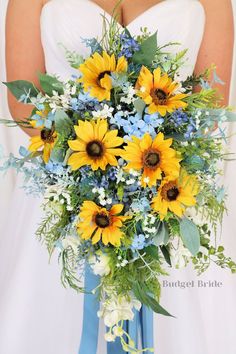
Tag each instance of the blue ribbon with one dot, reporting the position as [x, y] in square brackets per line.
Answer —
[142, 324]
[89, 339]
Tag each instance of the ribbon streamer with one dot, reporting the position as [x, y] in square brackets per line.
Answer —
[140, 328]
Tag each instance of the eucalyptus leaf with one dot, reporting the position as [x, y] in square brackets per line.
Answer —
[63, 123]
[50, 84]
[21, 88]
[139, 105]
[162, 236]
[147, 52]
[190, 235]
[57, 155]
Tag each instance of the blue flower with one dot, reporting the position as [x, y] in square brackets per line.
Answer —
[54, 168]
[178, 118]
[139, 242]
[142, 205]
[128, 46]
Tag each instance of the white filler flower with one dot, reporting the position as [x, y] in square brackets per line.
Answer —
[100, 263]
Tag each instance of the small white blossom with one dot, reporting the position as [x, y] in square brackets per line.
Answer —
[146, 180]
[106, 112]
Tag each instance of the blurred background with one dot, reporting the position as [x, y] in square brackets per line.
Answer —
[206, 317]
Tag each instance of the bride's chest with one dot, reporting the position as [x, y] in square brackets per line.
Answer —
[67, 22]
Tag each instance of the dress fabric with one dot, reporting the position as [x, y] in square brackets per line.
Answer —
[37, 315]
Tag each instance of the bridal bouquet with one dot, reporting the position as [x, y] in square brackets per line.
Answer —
[126, 156]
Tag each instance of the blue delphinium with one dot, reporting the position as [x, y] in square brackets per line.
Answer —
[142, 205]
[83, 103]
[128, 46]
[139, 242]
[55, 168]
[137, 124]
[182, 123]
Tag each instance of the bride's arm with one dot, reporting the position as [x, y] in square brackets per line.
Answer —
[24, 53]
[217, 45]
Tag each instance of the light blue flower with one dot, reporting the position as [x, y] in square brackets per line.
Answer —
[139, 242]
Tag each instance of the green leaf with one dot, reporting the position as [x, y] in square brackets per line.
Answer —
[139, 105]
[147, 51]
[152, 251]
[162, 237]
[63, 123]
[50, 83]
[57, 155]
[190, 235]
[156, 307]
[148, 300]
[22, 87]
[166, 254]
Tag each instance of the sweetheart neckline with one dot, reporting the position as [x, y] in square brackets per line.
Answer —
[159, 4]
[135, 19]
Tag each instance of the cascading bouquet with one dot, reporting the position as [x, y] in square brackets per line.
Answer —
[127, 160]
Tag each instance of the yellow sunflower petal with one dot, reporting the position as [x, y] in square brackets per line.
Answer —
[116, 209]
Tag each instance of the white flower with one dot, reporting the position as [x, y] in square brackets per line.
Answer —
[179, 255]
[118, 331]
[106, 112]
[118, 308]
[72, 242]
[109, 337]
[195, 216]
[100, 263]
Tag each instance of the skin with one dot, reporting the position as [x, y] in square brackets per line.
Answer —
[23, 63]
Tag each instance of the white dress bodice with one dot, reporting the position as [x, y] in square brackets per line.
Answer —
[67, 21]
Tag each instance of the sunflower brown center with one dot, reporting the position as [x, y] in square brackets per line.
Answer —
[102, 220]
[151, 158]
[102, 74]
[47, 135]
[159, 96]
[170, 191]
[95, 149]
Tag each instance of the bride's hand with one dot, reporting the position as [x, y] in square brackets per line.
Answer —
[24, 53]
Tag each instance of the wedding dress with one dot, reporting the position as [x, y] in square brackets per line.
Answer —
[37, 315]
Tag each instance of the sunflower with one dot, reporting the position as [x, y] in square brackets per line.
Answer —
[176, 194]
[158, 92]
[152, 157]
[96, 74]
[98, 222]
[45, 140]
[94, 146]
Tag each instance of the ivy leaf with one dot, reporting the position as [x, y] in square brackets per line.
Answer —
[50, 83]
[190, 235]
[147, 51]
[21, 88]
[63, 123]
